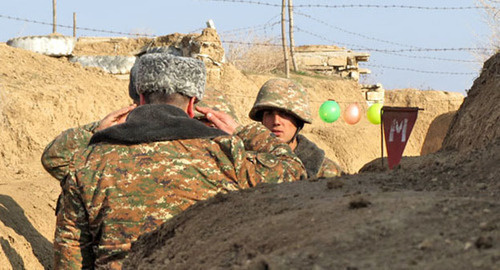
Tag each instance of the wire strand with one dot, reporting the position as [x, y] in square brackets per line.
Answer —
[353, 5]
[79, 28]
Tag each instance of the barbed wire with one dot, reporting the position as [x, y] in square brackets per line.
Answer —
[414, 49]
[393, 51]
[421, 71]
[251, 43]
[353, 46]
[324, 38]
[433, 58]
[79, 28]
[247, 29]
[353, 5]
[465, 49]
[352, 33]
[385, 41]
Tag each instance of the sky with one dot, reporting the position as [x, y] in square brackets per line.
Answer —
[406, 39]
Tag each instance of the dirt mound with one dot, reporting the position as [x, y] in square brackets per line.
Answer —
[438, 212]
[477, 122]
[110, 46]
[39, 97]
[441, 216]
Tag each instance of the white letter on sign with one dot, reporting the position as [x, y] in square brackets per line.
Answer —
[398, 127]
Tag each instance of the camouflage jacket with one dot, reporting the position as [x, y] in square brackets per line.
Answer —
[133, 177]
[317, 165]
[58, 153]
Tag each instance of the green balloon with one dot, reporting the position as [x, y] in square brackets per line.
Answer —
[374, 113]
[329, 111]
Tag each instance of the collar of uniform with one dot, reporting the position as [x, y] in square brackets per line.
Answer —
[310, 155]
[155, 122]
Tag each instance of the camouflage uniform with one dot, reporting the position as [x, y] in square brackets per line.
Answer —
[289, 97]
[57, 154]
[216, 100]
[134, 176]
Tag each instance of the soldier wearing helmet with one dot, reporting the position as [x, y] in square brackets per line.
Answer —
[283, 107]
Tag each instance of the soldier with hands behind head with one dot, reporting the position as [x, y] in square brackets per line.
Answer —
[134, 176]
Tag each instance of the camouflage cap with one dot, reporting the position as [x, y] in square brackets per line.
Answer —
[284, 95]
[171, 74]
[216, 100]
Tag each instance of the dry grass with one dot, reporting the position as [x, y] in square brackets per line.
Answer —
[256, 54]
[491, 16]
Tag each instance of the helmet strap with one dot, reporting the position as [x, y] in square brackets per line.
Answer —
[299, 128]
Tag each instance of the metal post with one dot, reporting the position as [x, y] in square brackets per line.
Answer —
[54, 16]
[292, 42]
[74, 24]
[283, 38]
[382, 141]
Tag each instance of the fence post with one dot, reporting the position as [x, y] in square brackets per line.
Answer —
[54, 16]
[283, 38]
[74, 24]
[292, 42]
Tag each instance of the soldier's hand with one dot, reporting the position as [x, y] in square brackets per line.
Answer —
[220, 119]
[115, 118]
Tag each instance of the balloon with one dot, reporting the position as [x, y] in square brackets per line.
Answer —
[329, 111]
[352, 114]
[374, 113]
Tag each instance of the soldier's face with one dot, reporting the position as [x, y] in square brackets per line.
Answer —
[283, 125]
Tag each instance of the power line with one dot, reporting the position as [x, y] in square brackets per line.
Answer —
[71, 27]
[354, 5]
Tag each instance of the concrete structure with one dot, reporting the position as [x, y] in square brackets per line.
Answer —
[51, 45]
[331, 60]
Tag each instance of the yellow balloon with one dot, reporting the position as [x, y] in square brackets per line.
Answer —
[374, 113]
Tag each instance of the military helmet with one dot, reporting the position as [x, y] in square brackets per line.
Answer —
[284, 95]
[215, 100]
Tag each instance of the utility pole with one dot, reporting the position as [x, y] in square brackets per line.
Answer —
[54, 16]
[283, 38]
[292, 42]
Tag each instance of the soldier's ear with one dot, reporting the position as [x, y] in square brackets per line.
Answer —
[190, 108]
[142, 101]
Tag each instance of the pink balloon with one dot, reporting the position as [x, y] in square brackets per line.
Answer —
[352, 114]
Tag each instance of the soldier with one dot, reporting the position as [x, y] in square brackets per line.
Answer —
[283, 107]
[58, 153]
[134, 176]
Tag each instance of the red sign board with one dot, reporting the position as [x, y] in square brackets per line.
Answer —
[398, 123]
